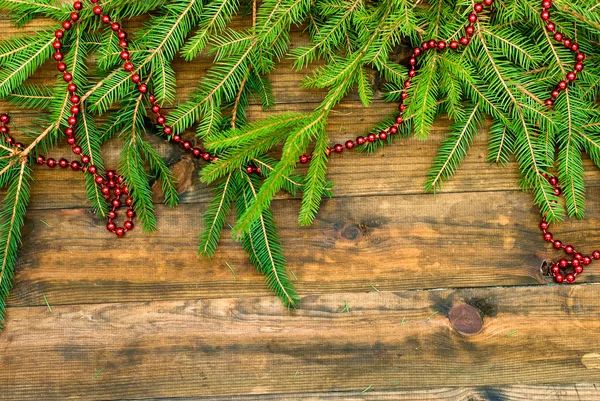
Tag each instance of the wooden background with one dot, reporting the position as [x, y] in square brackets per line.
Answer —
[146, 318]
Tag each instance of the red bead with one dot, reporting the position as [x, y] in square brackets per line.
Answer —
[125, 55]
[122, 35]
[555, 269]
[85, 159]
[110, 226]
[112, 214]
[558, 37]
[74, 99]
[136, 79]
[478, 7]
[120, 231]
[167, 130]
[4, 119]
[92, 169]
[338, 148]
[557, 191]
[557, 244]
[399, 120]
[472, 17]
[371, 137]
[58, 56]
[51, 162]
[177, 138]
[554, 94]
[161, 120]
[74, 110]
[143, 88]
[546, 4]
[578, 256]
[562, 85]
[77, 150]
[41, 160]
[197, 152]
[67, 25]
[349, 144]
[361, 140]
[115, 26]
[575, 47]
[59, 34]
[569, 249]
[545, 15]
[404, 95]
[548, 237]
[578, 269]
[580, 57]
[383, 135]
[553, 181]
[304, 159]
[596, 255]
[464, 41]
[128, 225]
[99, 180]
[559, 278]
[579, 66]
[587, 260]
[130, 213]
[416, 52]
[74, 16]
[156, 108]
[62, 67]
[249, 169]
[97, 10]
[563, 263]
[75, 165]
[56, 45]
[567, 42]
[72, 88]
[454, 45]
[187, 145]
[550, 26]
[393, 130]
[570, 278]
[469, 30]
[116, 203]
[129, 201]
[432, 43]
[549, 102]
[441, 45]
[106, 19]
[72, 120]
[64, 163]
[111, 173]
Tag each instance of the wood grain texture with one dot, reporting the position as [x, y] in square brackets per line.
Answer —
[146, 319]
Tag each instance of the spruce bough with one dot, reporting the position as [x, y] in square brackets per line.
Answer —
[503, 75]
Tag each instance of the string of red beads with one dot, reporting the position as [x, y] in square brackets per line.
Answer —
[565, 271]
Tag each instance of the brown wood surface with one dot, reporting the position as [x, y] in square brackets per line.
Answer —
[146, 318]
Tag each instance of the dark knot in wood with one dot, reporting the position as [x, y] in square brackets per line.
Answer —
[466, 319]
[351, 232]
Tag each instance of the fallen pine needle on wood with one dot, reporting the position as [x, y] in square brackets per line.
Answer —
[367, 389]
[346, 308]
[47, 303]
[97, 374]
[231, 268]
[373, 287]
[432, 315]
[512, 333]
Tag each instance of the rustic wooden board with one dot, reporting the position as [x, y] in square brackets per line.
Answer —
[146, 318]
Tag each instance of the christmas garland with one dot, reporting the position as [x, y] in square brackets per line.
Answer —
[509, 63]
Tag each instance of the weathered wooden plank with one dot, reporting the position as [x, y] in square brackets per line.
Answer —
[254, 345]
[391, 242]
[581, 392]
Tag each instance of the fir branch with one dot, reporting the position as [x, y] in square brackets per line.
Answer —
[12, 218]
[263, 245]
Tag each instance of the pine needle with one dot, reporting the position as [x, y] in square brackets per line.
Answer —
[46, 224]
[346, 308]
[367, 389]
[47, 303]
[97, 374]
[231, 268]
[432, 315]
[374, 288]
[512, 333]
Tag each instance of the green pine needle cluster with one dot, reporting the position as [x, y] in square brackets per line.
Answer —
[504, 76]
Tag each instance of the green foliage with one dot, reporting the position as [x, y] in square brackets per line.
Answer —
[504, 76]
